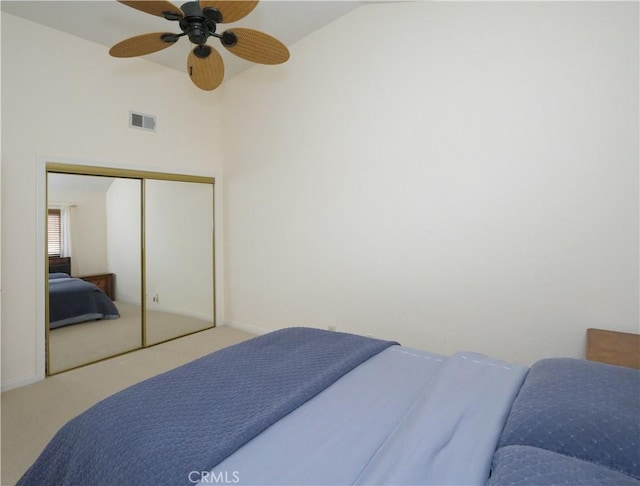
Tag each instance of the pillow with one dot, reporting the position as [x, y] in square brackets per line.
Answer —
[581, 409]
[53, 276]
[525, 465]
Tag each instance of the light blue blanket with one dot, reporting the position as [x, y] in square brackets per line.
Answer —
[189, 419]
[405, 416]
[450, 433]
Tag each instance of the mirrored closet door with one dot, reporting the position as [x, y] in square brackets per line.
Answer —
[178, 258]
[129, 261]
[94, 268]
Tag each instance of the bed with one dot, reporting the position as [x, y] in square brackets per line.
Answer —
[311, 407]
[73, 300]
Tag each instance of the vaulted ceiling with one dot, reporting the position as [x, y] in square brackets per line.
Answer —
[108, 22]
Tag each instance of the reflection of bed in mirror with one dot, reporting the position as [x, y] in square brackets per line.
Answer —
[73, 301]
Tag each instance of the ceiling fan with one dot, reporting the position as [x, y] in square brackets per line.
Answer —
[198, 21]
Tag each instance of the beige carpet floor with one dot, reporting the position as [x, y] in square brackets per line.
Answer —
[87, 342]
[79, 344]
[32, 414]
[162, 326]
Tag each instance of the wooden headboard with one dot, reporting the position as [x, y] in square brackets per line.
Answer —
[60, 264]
[613, 347]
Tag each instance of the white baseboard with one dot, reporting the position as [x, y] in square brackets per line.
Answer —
[127, 299]
[18, 382]
[247, 328]
[181, 312]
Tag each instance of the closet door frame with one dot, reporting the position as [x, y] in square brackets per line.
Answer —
[142, 176]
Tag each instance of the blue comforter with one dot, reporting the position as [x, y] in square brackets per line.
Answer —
[72, 300]
[573, 422]
[210, 407]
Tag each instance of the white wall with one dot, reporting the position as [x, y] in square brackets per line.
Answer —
[450, 175]
[67, 100]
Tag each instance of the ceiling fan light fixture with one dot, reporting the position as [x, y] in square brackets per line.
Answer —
[170, 38]
[229, 39]
[202, 51]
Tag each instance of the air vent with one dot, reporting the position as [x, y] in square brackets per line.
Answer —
[142, 121]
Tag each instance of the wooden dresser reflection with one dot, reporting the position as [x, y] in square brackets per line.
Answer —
[103, 281]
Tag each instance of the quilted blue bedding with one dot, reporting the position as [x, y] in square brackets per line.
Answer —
[532, 466]
[72, 300]
[573, 421]
[190, 418]
[229, 415]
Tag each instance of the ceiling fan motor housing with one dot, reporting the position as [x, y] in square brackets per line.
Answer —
[199, 25]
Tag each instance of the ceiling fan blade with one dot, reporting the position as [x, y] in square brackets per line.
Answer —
[153, 7]
[140, 45]
[255, 46]
[231, 10]
[205, 72]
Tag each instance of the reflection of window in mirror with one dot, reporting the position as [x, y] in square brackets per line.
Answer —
[54, 233]
[58, 242]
